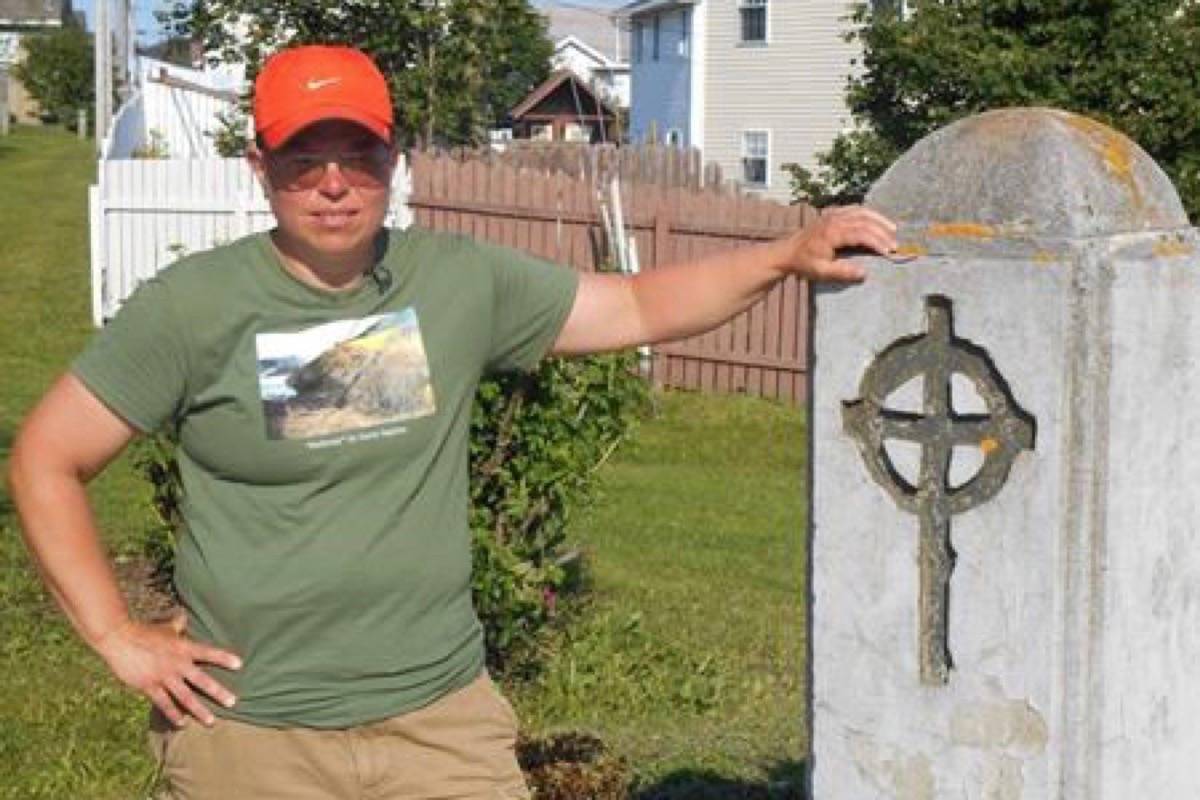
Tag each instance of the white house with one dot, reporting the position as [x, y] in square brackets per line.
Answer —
[754, 84]
[609, 77]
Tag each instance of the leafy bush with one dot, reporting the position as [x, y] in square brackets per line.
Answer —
[232, 136]
[57, 71]
[536, 442]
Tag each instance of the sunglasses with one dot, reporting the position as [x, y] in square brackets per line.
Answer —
[367, 169]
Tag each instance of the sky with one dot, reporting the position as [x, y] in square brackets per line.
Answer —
[150, 31]
[148, 28]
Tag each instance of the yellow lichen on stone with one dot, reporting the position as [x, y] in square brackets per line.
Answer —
[1114, 149]
[910, 251]
[1172, 248]
[962, 230]
[988, 445]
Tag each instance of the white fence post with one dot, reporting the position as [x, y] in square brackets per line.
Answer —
[95, 244]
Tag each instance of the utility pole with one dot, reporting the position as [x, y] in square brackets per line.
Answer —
[3, 99]
[102, 45]
[125, 38]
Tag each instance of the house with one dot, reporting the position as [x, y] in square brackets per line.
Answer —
[564, 109]
[18, 19]
[754, 84]
[609, 78]
[592, 42]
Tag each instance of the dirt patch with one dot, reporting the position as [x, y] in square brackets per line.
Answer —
[570, 766]
[146, 589]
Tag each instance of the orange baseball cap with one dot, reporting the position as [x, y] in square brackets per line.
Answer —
[303, 85]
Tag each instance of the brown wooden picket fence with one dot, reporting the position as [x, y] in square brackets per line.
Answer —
[763, 351]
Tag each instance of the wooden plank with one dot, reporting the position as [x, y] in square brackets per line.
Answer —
[689, 351]
[789, 334]
[804, 352]
[537, 201]
[772, 322]
[522, 200]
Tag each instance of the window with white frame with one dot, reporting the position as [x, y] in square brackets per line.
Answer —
[754, 21]
[756, 158]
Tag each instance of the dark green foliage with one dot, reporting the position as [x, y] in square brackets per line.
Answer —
[455, 67]
[57, 71]
[154, 458]
[1131, 64]
[536, 442]
[230, 139]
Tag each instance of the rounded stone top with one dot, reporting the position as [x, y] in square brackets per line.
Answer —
[1036, 172]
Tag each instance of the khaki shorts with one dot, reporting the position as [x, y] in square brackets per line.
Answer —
[461, 746]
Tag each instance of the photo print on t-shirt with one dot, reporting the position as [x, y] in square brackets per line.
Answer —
[344, 376]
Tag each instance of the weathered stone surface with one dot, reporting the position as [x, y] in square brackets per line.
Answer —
[1073, 607]
[1039, 173]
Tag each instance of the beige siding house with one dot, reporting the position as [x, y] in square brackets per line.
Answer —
[765, 80]
[18, 20]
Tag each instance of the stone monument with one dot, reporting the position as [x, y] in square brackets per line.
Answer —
[1005, 497]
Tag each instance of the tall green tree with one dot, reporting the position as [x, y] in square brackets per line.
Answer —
[1132, 64]
[455, 67]
[57, 71]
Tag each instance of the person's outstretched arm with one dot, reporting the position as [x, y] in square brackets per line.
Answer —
[680, 300]
[68, 438]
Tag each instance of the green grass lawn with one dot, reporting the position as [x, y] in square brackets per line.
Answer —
[66, 728]
[688, 661]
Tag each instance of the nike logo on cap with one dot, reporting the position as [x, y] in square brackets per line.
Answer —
[314, 84]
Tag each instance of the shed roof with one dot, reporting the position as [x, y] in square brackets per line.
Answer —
[588, 100]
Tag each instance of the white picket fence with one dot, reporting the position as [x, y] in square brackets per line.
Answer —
[146, 213]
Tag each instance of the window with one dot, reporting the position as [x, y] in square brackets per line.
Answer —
[657, 36]
[637, 42]
[575, 132]
[892, 8]
[685, 27]
[756, 156]
[754, 20]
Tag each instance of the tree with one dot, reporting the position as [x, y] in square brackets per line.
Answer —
[455, 67]
[57, 71]
[1132, 64]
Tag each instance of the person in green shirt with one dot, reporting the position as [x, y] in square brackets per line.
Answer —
[320, 379]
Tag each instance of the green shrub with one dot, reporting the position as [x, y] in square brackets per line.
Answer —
[536, 442]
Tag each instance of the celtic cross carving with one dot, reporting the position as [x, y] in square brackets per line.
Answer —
[1003, 432]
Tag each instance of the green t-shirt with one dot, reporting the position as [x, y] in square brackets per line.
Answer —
[323, 450]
